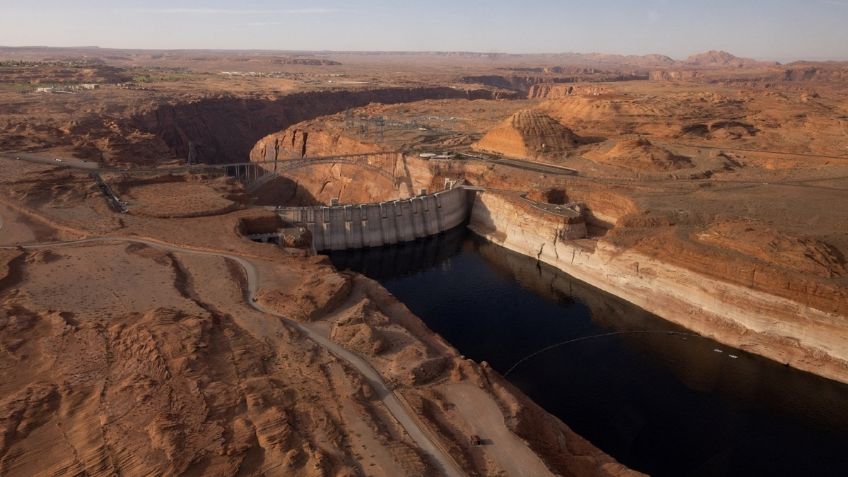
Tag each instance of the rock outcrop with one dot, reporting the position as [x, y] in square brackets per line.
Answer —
[320, 183]
[724, 59]
[307, 140]
[559, 91]
[674, 75]
[641, 155]
[779, 248]
[357, 329]
[529, 134]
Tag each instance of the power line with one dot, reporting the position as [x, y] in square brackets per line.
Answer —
[584, 338]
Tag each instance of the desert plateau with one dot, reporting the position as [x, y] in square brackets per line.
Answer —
[273, 262]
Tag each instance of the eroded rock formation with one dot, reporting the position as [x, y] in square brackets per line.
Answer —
[529, 134]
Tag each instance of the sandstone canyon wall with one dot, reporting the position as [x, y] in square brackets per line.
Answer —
[775, 327]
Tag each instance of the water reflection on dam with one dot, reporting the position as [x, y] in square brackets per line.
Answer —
[663, 404]
[384, 263]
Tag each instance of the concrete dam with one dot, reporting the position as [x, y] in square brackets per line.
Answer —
[342, 227]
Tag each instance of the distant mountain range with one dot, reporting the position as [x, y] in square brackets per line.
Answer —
[725, 59]
[713, 59]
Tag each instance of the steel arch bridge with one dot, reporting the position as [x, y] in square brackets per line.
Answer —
[262, 172]
[256, 173]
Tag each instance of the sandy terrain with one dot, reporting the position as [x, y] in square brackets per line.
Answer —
[486, 422]
[187, 196]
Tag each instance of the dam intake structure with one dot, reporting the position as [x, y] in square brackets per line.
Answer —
[343, 227]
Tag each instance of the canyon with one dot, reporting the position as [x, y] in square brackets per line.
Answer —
[162, 339]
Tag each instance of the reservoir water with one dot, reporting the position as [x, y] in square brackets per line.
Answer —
[647, 392]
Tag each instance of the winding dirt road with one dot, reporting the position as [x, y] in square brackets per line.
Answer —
[413, 426]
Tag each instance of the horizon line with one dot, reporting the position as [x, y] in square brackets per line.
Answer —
[422, 51]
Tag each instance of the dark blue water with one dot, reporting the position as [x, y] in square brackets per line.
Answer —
[662, 403]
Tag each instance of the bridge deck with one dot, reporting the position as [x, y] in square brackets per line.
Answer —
[348, 158]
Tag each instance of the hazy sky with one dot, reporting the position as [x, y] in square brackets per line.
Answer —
[768, 29]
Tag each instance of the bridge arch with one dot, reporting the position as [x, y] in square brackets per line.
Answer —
[382, 163]
[288, 166]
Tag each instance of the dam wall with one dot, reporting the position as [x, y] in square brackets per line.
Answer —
[778, 328]
[344, 227]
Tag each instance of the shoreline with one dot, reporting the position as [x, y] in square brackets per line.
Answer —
[773, 327]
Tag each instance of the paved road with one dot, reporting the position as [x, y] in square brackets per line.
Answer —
[521, 164]
[535, 166]
[408, 420]
[764, 151]
[73, 163]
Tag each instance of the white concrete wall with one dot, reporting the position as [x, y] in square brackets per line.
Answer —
[372, 225]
